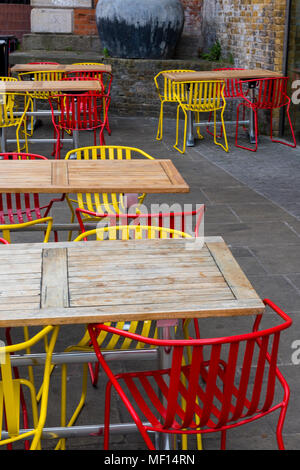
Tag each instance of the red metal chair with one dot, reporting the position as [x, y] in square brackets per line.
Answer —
[79, 112]
[229, 381]
[20, 209]
[105, 79]
[232, 91]
[270, 94]
[188, 221]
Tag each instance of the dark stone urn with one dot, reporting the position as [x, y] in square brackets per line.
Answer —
[140, 29]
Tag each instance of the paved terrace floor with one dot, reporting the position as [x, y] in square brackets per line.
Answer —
[253, 202]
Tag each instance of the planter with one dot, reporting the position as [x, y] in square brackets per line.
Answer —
[140, 29]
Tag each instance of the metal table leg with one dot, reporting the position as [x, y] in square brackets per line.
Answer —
[166, 330]
[252, 86]
[190, 140]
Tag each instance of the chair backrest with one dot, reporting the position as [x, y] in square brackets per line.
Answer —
[19, 207]
[107, 152]
[232, 87]
[104, 202]
[234, 381]
[187, 221]
[44, 75]
[10, 104]
[77, 111]
[270, 93]
[135, 232]
[206, 95]
[8, 79]
[105, 78]
[169, 90]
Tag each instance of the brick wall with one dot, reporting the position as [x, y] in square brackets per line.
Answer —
[252, 33]
[84, 21]
[15, 19]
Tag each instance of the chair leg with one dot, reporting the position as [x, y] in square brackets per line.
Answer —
[293, 145]
[280, 427]
[207, 127]
[197, 120]
[224, 147]
[237, 126]
[159, 134]
[223, 440]
[177, 130]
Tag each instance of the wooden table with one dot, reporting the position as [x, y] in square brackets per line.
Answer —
[220, 75]
[56, 86]
[17, 68]
[28, 86]
[75, 176]
[82, 282]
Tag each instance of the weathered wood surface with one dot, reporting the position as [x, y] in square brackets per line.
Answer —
[220, 75]
[72, 176]
[94, 281]
[30, 86]
[60, 68]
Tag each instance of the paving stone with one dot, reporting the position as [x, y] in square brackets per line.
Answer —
[253, 201]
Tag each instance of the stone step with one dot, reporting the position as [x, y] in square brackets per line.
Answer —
[61, 42]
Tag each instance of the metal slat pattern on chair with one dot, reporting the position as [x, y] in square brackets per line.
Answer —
[207, 395]
[203, 96]
[269, 94]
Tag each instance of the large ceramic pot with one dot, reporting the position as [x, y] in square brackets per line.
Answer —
[140, 28]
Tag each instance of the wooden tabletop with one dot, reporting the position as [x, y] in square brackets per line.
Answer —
[80, 176]
[23, 86]
[61, 67]
[97, 281]
[220, 75]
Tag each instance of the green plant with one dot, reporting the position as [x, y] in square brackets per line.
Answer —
[105, 52]
[214, 53]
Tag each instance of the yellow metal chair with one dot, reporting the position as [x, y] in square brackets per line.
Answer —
[167, 93]
[10, 105]
[203, 97]
[111, 203]
[8, 79]
[13, 399]
[45, 75]
[107, 341]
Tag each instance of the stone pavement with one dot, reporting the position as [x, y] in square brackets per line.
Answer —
[253, 202]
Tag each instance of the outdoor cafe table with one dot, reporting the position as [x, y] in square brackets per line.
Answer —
[61, 67]
[55, 86]
[243, 74]
[82, 176]
[99, 176]
[69, 283]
